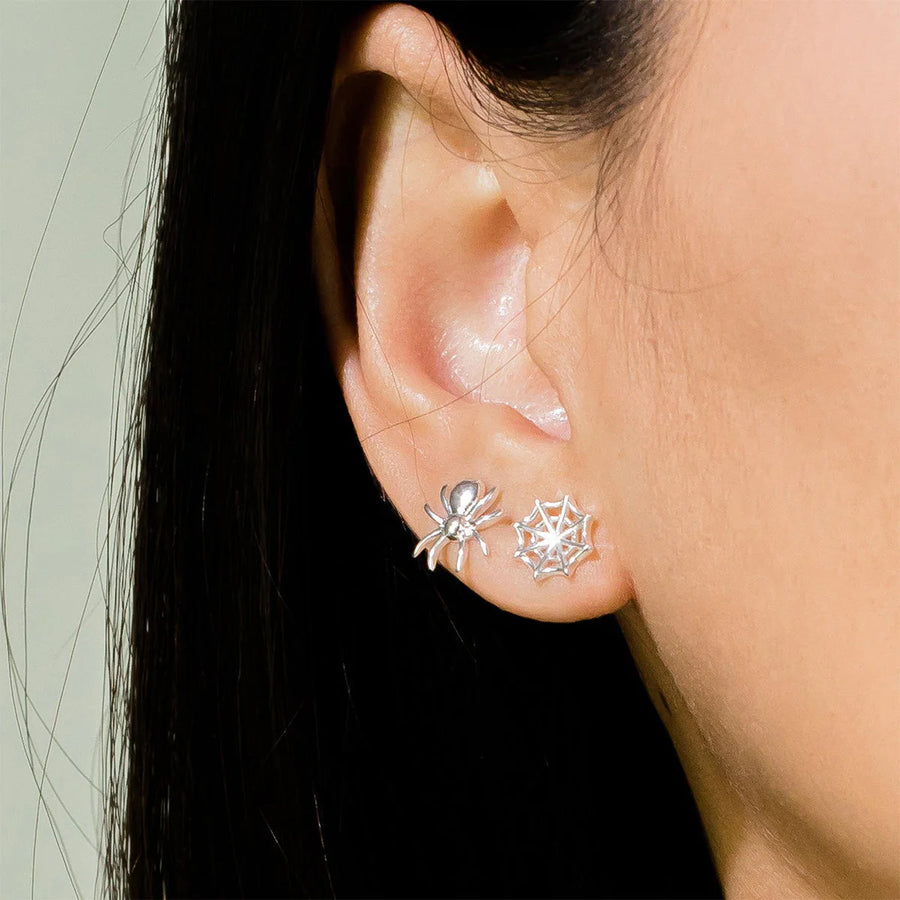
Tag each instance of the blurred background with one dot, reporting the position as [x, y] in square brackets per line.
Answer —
[83, 75]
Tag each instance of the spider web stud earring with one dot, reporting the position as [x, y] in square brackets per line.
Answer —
[461, 523]
[553, 538]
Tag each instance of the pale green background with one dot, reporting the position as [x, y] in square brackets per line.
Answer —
[50, 56]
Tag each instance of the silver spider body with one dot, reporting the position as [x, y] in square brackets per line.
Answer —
[465, 515]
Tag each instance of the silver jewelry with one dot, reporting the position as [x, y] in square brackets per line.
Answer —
[460, 524]
[553, 538]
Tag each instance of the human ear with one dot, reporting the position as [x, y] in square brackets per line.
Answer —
[443, 306]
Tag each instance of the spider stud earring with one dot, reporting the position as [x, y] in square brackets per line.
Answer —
[553, 538]
[461, 523]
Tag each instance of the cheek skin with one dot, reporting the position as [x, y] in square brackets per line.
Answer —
[750, 391]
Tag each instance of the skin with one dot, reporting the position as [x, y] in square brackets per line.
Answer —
[704, 353]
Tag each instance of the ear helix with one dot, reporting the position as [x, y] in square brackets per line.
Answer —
[552, 539]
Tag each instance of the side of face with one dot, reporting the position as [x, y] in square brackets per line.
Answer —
[704, 353]
[746, 398]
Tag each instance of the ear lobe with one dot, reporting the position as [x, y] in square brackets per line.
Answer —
[434, 362]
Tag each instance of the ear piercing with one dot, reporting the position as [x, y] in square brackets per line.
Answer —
[461, 523]
[553, 538]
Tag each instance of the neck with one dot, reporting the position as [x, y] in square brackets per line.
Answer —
[751, 853]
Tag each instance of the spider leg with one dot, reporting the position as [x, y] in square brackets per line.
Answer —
[480, 539]
[445, 501]
[433, 515]
[424, 542]
[435, 550]
[460, 555]
[488, 517]
[483, 502]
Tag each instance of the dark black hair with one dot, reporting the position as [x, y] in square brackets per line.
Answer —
[300, 719]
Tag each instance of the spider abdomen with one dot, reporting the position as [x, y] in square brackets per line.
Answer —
[463, 497]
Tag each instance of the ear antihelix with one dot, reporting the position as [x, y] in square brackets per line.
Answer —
[479, 348]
